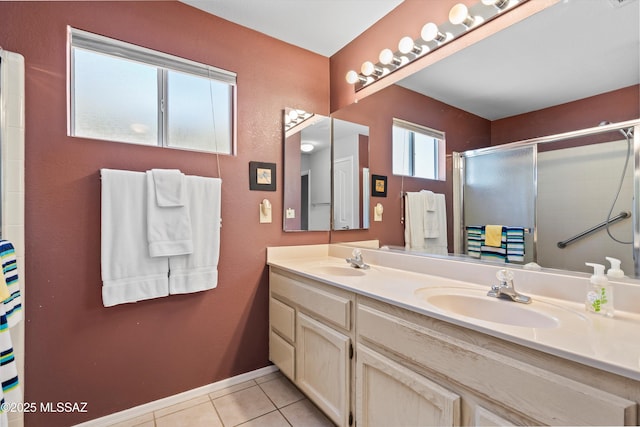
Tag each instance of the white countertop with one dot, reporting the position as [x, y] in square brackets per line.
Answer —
[610, 344]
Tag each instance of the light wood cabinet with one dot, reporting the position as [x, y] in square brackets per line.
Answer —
[311, 341]
[389, 394]
[354, 355]
[322, 367]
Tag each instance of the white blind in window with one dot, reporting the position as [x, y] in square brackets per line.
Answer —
[94, 42]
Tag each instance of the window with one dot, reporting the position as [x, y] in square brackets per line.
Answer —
[418, 151]
[126, 93]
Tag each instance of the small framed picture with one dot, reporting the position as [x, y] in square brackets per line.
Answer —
[378, 186]
[262, 176]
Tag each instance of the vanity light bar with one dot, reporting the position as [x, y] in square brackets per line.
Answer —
[294, 117]
[431, 38]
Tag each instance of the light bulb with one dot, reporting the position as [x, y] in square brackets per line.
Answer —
[459, 14]
[386, 57]
[367, 68]
[406, 45]
[306, 147]
[430, 32]
[352, 77]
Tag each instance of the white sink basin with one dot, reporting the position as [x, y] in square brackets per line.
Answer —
[475, 304]
[334, 270]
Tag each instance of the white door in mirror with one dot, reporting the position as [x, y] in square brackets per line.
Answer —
[377, 212]
[265, 212]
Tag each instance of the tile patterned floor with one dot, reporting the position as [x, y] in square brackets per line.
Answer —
[268, 401]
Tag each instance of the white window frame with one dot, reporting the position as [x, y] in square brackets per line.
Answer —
[440, 147]
[164, 62]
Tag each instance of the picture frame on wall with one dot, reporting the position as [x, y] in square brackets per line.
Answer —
[262, 176]
[378, 186]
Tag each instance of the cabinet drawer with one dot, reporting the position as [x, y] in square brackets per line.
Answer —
[281, 353]
[326, 303]
[282, 318]
[497, 377]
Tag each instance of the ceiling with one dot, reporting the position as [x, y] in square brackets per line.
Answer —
[321, 26]
[572, 50]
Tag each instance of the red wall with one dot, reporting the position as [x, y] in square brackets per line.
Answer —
[615, 106]
[116, 358]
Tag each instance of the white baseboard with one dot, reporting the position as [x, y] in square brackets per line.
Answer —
[176, 398]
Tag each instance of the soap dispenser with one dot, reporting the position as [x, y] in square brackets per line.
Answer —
[614, 272]
[599, 298]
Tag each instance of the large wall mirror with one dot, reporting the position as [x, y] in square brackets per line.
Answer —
[308, 143]
[552, 58]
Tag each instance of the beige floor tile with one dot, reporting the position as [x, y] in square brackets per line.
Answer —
[242, 406]
[232, 389]
[182, 405]
[269, 377]
[281, 392]
[305, 414]
[272, 419]
[203, 415]
[143, 420]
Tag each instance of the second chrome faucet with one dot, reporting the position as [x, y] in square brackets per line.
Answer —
[506, 289]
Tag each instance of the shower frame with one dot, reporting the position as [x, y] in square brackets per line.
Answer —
[459, 172]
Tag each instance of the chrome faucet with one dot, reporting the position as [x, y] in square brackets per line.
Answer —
[506, 289]
[356, 261]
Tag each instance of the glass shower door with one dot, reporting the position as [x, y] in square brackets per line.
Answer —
[499, 188]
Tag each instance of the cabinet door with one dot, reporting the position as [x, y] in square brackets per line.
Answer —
[388, 394]
[322, 367]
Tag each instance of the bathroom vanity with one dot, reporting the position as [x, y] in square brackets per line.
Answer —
[415, 341]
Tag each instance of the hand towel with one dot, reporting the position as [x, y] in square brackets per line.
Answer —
[169, 187]
[493, 235]
[129, 273]
[431, 225]
[13, 302]
[168, 218]
[198, 271]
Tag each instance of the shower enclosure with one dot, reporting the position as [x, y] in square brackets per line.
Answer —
[567, 192]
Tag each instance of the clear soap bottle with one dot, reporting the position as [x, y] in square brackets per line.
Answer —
[599, 297]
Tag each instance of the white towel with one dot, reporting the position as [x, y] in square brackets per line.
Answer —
[431, 225]
[198, 271]
[438, 245]
[414, 221]
[168, 217]
[129, 274]
[169, 187]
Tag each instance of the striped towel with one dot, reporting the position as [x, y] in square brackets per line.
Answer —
[475, 239]
[515, 244]
[10, 314]
[511, 249]
[13, 304]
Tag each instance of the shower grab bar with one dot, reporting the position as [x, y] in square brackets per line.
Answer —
[622, 215]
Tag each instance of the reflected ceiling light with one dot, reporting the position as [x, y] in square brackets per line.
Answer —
[407, 45]
[368, 68]
[306, 147]
[353, 78]
[388, 58]
[459, 14]
[430, 32]
[500, 4]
